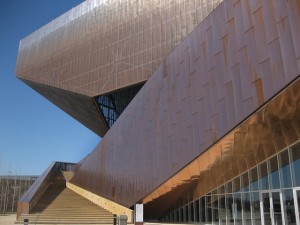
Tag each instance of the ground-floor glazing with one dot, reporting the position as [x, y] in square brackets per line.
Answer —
[268, 194]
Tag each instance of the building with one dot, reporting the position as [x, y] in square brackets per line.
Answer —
[197, 103]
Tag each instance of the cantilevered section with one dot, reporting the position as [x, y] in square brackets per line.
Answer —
[101, 46]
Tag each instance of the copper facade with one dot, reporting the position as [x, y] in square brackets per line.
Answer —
[174, 136]
[237, 59]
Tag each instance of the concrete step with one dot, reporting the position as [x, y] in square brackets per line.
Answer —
[60, 205]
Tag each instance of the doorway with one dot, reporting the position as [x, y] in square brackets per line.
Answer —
[271, 206]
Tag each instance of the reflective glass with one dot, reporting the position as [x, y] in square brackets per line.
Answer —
[285, 170]
[246, 206]
[274, 175]
[288, 206]
[245, 182]
[266, 208]
[181, 215]
[264, 182]
[277, 214]
[202, 209]
[222, 209]
[229, 206]
[228, 187]
[236, 184]
[196, 211]
[191, 213]
[298, 202]
[208, 211]
[253, 179]
[215, 207]
[255, 208]
[295, 151]
[186, 214]
[113, 104]
[237, 208]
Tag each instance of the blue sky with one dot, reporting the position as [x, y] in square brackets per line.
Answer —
[33, 131]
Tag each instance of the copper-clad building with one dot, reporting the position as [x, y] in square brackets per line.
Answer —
[197, 101]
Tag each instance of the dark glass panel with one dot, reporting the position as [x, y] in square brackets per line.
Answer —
[208, 211]
[191, 208]
[266, 208]
[285, 170]
[264, 182]
[246, 205]
[245, 182]
[298, 201]
[289, 207]
[202, 209]
[196, 211]
[237, 207]
[186, 213]
[255, 207]
[274, 175]
[277, 208]
[222, 209]
[253, 179]
[229, 206]
[295, 150]
[236, 184]
[228, 187]
[215, 208]
[181, 217]
[113, 104]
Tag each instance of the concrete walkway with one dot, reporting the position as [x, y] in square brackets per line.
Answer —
[7, 219]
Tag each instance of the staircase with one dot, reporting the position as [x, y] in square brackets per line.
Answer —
[59, 205]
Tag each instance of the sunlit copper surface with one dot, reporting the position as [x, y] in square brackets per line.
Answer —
[100, 46]
[236, 60]
[273, 128]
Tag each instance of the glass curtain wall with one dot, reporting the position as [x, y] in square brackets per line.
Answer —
[268, 194]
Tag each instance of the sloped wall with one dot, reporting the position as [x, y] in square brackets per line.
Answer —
[240, 56]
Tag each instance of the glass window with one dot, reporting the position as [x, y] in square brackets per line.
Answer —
[181, 215]
[236, 184]
[285, 170]
[295, 151]
[237, 208]
[288, 205]
[202, 209]
[255, 208]
[191, 214]
[222, 209]
[186, 214]
[246, 206]
[196, 210]
[274, 175]
[253, 179]
[229, 206]
[221, 190]
[228, 187]
[245, 182]
[208, 211]
[215, 207]
[264, 182]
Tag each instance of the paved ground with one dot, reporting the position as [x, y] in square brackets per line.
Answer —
[7, 219]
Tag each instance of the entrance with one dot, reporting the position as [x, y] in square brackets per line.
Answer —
[271, 207]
